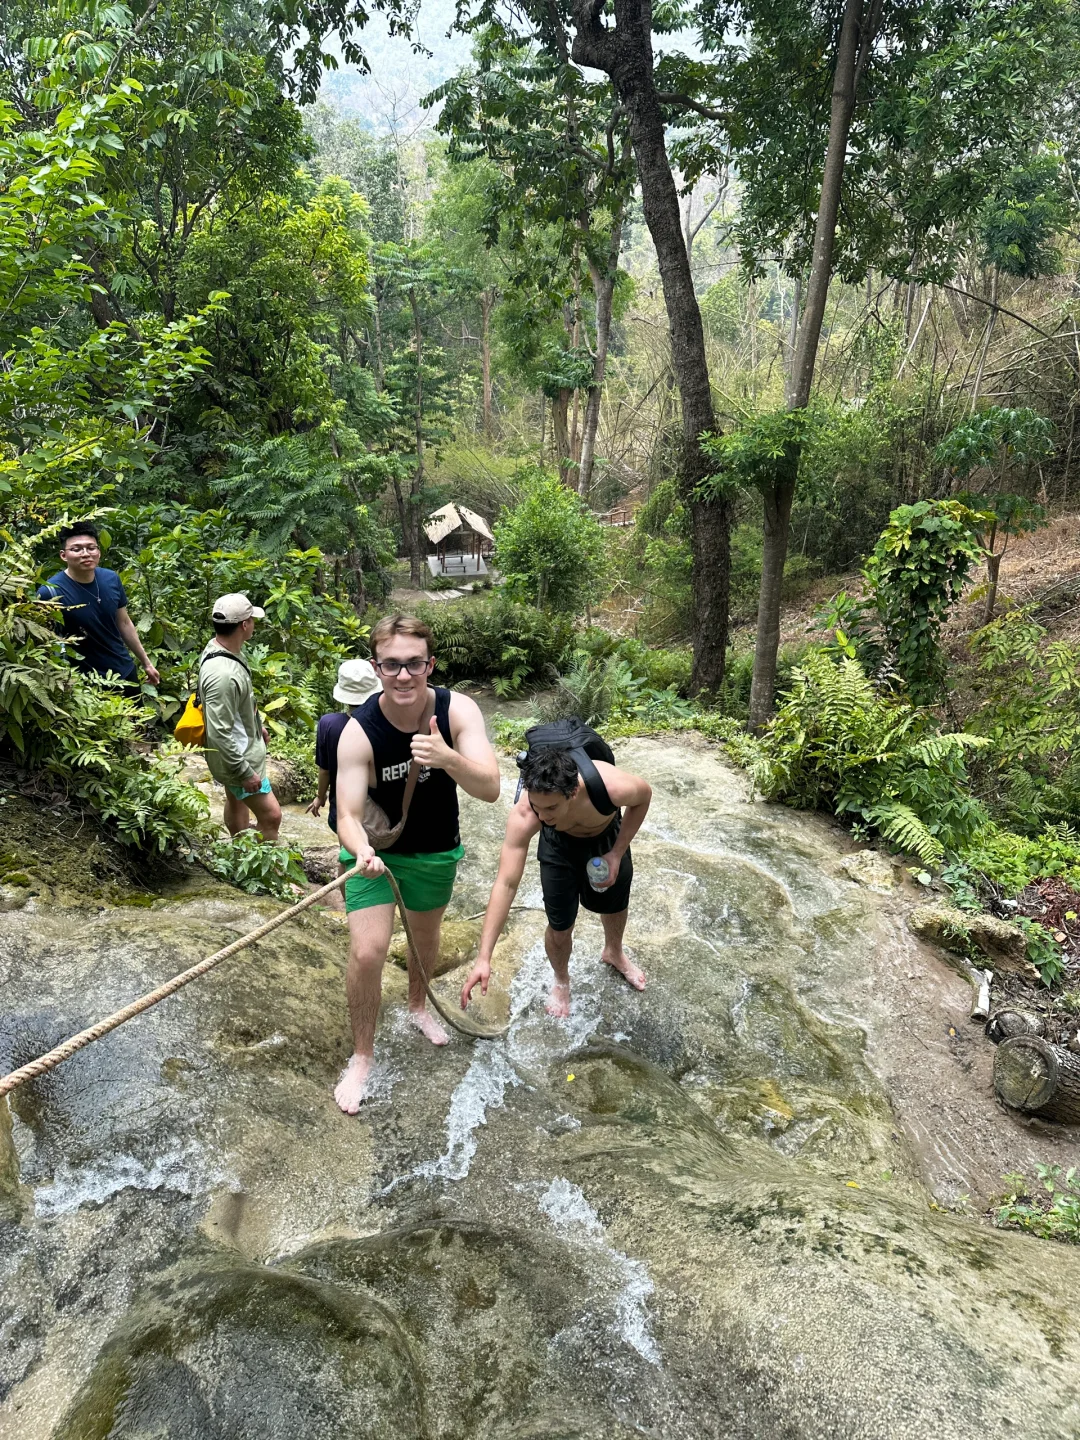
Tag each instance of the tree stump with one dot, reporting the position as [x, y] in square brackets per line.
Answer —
[1038, 1078]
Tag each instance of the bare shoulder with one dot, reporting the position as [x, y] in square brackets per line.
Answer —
[464, 711]
[623, 787]
[354, 747]
[522, 823]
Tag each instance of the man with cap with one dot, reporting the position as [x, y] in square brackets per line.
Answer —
[356, 682]
[235, 739]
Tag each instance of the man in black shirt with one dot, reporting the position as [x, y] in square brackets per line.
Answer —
[94, 606]
[375, 752]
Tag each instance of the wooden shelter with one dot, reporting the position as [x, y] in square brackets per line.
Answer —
[461, 540]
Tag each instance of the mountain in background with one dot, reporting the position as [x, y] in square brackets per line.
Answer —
[389, 97]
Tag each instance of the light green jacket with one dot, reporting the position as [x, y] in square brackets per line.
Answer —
[234, 744]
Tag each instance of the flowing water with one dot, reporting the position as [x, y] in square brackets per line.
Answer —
[732, 1206]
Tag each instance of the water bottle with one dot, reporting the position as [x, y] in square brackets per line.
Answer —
[598, 871]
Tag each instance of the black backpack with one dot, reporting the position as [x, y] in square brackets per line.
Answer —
[584, 744]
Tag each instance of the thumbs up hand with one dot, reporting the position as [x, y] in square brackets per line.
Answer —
[431, 749]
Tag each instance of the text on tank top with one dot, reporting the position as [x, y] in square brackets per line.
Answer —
[432, 825]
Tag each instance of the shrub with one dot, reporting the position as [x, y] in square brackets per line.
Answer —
[550, 549]
[252, 865]
[915, 574]
[837, 743]
[1028, 694]
[82, 729]
[1053, 1215]
[1010, 862]
[494, 639]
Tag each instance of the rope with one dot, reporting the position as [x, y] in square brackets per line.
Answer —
[60, 1053]
[459, 1021]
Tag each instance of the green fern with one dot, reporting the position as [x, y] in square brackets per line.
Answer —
[902, 827]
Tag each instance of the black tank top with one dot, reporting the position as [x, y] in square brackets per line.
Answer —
[432, 825]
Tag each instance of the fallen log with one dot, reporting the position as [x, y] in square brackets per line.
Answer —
[1038, 1078]
[1007, 1022]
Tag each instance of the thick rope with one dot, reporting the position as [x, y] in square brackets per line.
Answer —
[459, 1021]
[60, 1053]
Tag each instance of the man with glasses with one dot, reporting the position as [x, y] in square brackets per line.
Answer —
[444, 732]
[94, 607]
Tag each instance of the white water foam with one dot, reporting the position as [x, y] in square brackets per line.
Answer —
[566, 1207]
[483, 1087]
[495, 1066]
[182, 1169]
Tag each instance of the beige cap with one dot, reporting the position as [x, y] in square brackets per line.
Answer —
[356, 682]
[233, 608]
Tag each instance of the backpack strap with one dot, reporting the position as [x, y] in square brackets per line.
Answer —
[594, 785]
[216, 655]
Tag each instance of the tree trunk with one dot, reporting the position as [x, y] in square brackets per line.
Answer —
[486, 301]
[560, 406]
[380, 373]
[793, 328]
[780, 494]
[625, 54]
[604, 289]
[993, 565]
[1038, 1078]
[778, 499]
[412, 540]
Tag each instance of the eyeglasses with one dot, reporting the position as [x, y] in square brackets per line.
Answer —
[390, 668]
[83, 549]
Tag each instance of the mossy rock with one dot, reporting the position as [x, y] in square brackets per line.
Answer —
[1003, 944]
[457, 945]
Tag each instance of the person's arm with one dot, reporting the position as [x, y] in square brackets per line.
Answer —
[130, 637]
[320, 798]
[520, 829]
[633, 795]
[220, 695]
[470, 761]
[354, 763]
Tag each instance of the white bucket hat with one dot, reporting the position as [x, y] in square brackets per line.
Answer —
[356, 682]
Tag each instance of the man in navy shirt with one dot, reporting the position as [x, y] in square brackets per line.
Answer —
[356, 682]
[102, 634]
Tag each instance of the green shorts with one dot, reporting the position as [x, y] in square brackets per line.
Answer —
[426, 881]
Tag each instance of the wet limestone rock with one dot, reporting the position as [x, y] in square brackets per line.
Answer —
[289, 785]
[457, 946]
[10, 1200]
[320, 864]
[1003, 944]
[869, 868]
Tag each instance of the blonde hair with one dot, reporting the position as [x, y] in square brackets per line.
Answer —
[392, 625]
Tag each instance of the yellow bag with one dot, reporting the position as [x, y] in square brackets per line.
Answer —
[191, 727]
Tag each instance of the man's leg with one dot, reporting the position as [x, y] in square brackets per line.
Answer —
[369, 940]
[267, 814]
[236, 814]
[614, 954]
[559, 944]
[425, 926]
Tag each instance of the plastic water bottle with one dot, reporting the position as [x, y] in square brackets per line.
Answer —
[598, 871]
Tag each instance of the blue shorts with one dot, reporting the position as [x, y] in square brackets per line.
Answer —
[241, 794]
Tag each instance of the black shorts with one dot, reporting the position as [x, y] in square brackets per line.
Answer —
[563, 876]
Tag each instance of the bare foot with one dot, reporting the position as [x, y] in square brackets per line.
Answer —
[428, 1026]
[559, 1000]
[630, 972]
[352, 1087]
